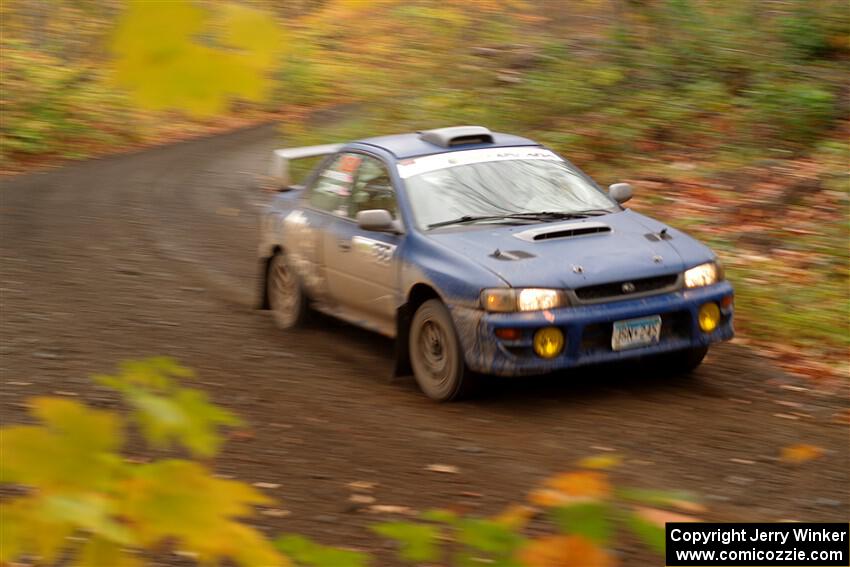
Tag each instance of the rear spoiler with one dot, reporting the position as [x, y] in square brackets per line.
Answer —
[279, 169]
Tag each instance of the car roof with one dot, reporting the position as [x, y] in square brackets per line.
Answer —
[413, 145]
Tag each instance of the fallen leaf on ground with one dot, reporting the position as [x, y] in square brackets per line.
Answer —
[449, 469]
[275, 512]
[389, 509]
[361, 499]
[842, 417]
[786, 416]
[266, 485]
[800, 453]
[361, 485]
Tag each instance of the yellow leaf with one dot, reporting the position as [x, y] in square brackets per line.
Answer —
[601, 462]
[97, 552]
[661, 517]
[564, 551]
[801, 453]
[587, 484]
[181, 55]
[74, 449]
[547, 497]
[181, 501]
[515, 516]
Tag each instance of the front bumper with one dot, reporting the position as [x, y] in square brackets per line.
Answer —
[588, 329]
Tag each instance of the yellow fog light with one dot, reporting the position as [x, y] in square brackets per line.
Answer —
[548, 342]
[709, 317]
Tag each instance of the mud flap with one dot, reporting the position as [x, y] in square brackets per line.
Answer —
[401, 364]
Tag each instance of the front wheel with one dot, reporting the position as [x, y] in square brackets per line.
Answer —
[436, 355]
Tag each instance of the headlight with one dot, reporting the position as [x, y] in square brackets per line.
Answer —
[703, 275]
[505, 300]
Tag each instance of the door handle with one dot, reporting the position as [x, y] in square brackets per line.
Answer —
[344, 245]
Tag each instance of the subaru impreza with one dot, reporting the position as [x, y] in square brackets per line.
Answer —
[483, 253]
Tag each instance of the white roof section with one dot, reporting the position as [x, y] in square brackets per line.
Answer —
[416, 166]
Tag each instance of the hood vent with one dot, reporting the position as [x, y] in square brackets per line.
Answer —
[571, 230]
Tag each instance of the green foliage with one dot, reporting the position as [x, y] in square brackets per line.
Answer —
[795, 113]
[51, 108]
[76, 482]
[651, 534]
[488, 540]
[805, 30]
[307, 553]
[78, 501]
[651, 75]
[587, 512]
[167, 412]
[418, 541]
[590, 520]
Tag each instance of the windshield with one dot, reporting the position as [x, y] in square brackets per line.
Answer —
[496, 182]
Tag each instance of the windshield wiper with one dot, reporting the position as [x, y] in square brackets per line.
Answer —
[559, 215]
[470, 218]
[538, 215]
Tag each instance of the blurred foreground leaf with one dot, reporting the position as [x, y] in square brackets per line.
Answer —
[195, 57]
[166, 411]
[648, 532]
[601, 462]
[565, 551]
[681, 499]
[587, 519]
[75, 482]
[305, 552]
[418, 541]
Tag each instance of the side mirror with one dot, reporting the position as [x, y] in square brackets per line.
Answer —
[376, 220]
[620, 192]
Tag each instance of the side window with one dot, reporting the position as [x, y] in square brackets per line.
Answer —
[373, 189]
[332, 188]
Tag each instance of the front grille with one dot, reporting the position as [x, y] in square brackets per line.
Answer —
[622, 289]
[597, 336]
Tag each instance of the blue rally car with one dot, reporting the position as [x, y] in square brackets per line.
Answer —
[485, 253]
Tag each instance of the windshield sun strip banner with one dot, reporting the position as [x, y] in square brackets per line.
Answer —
[416, 166]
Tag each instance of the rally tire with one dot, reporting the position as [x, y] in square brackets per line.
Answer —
[436, 355]
[286, 298]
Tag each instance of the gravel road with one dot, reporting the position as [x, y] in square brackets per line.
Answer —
[154, 254]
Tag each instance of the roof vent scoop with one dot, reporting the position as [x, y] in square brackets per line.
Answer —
[457, 136]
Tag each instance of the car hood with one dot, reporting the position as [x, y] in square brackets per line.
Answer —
[618, 246]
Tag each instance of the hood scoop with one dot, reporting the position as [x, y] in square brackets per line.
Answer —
[568, 230]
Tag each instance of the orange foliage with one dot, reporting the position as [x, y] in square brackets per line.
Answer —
[565, 551]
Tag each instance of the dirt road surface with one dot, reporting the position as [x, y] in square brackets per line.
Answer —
[154, 254]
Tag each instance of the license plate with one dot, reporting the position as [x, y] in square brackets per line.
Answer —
[634, 333]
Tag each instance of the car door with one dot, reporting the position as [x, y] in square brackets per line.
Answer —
[304, 228]
[362, 265]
